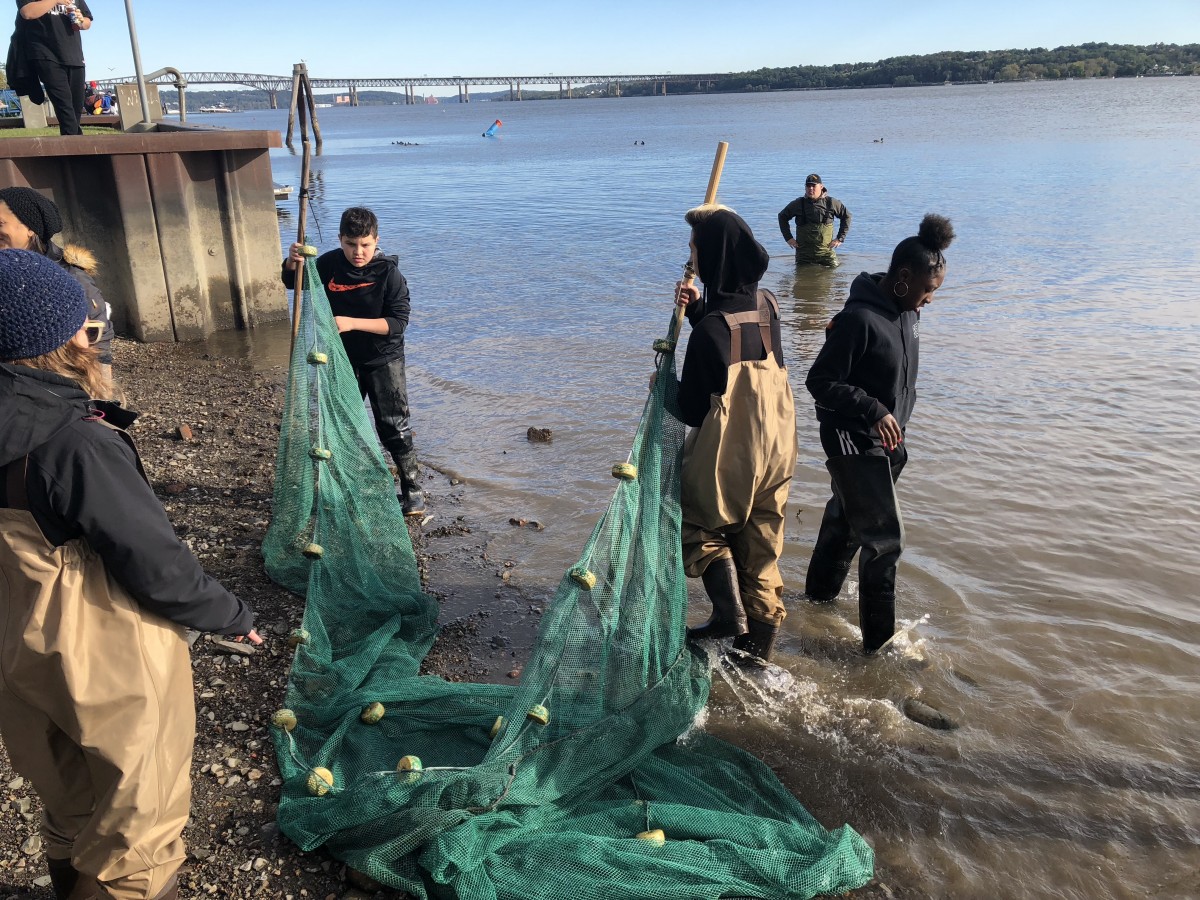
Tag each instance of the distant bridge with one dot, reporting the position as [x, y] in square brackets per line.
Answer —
[274, 84]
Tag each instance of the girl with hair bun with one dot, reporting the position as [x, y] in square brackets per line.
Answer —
[864, 382]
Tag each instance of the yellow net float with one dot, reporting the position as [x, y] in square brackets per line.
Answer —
[284, 718]
[320, 453]
[320, 782]
[539, 714]
[625, 471]
[583, 578]
[372, 713]
[297, 637]
[496, 726]
[317, 358]
[410, 767]
[664, 345]
[313, 551]
[309, 250]
[654, 836]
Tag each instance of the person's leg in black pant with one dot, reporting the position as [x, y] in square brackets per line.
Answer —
[387, 388]
[57, 81]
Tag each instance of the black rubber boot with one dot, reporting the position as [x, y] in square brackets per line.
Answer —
[865, 487]
[831, 557]
[877, 619]
[412, 500]
[758, 643]
[728, 618]
[62, 877]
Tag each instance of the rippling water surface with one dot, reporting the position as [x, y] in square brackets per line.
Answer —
[1051, 502]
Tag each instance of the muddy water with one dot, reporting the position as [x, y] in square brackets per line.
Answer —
[1051, 500]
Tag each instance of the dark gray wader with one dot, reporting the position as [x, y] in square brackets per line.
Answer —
[812, 245]
[861, 517]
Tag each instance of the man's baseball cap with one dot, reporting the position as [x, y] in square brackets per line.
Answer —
[812, 179]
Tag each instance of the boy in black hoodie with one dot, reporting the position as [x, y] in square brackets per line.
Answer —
[864, 382]
[370, 304]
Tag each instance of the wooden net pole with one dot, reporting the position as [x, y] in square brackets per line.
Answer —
[710, 196]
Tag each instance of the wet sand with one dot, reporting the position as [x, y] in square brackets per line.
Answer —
[216, 487]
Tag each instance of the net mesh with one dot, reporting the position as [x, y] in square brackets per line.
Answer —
[554, 788]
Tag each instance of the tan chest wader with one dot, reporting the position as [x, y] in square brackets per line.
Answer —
[812, 245]
[737, 470]
[96, 710]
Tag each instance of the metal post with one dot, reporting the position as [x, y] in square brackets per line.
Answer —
[137, 67]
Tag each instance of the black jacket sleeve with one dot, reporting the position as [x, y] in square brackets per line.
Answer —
[100, 488]
[396, 302]
[786, 215]
[838, 208]
[705, 373]
[846, 340]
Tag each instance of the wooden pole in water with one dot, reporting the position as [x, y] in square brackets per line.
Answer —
[305, 161]
[292, 104]
[312, 106]
[710, 196]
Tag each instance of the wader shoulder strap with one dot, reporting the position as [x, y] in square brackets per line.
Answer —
[12, 483]
[767, 306]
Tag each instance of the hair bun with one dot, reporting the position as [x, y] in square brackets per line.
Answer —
[935, 232]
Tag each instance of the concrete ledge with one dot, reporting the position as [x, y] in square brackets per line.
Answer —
[182, 221]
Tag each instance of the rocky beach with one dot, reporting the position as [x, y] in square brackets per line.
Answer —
[208, 433]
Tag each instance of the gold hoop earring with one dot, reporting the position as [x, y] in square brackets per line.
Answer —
[900, 296]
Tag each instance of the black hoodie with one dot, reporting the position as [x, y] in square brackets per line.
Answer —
[376, 291]
[84, 481]
[730, 264]
[868, 366]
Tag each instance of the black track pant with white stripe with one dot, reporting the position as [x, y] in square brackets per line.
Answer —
[839, 539]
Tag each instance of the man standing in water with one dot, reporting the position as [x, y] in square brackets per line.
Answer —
[814, 213]
[864, 382]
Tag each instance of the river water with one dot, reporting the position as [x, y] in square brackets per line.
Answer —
[1051, 499]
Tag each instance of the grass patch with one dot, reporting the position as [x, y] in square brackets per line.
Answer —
[51, 131]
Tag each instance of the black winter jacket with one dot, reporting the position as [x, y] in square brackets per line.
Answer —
[868, 366]
[706, 363]
[376, 291]
[84, 480]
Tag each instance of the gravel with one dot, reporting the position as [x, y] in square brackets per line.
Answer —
[216, 488]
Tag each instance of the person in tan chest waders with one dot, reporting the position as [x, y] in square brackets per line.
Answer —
[740, 455]
[96, 707]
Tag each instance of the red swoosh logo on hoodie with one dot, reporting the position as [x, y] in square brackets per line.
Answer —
[336, 288]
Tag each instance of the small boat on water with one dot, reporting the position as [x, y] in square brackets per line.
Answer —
[217, 108]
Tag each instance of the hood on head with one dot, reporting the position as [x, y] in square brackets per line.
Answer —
[728, 258]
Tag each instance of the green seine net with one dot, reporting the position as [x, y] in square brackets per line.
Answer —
[556, 788]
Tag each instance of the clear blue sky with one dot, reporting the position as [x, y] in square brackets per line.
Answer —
[467, 37]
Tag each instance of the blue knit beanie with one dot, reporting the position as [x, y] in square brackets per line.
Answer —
[41, 305]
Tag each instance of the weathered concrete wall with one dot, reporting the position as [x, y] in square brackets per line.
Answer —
[182, 220]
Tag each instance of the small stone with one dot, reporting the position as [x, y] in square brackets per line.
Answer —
[239, 726]
[515, 673]
[17, 783]
[247, 865]
[183, 432]
[42, 882]
[32, 845]
[232, 780]
[260, 864]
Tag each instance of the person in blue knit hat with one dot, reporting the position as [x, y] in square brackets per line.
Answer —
[96, 700]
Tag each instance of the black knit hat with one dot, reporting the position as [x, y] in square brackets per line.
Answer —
[37, 212]
[41, 305]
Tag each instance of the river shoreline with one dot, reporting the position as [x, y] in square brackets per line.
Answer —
[207, 434]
